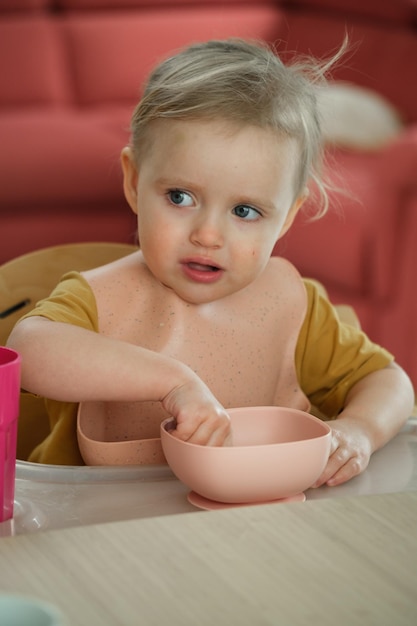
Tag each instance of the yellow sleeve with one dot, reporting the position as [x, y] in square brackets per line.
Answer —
[332, 356]
[47, 428]
[72, 301]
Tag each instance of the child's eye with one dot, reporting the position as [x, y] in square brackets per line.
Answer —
[180, 198]
[246, 212]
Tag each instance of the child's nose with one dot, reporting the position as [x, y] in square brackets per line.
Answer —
[207, 231]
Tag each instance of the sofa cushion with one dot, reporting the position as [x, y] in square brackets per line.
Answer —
[342, 248]
[62, 157]
[356, 117]
[24, 5]
[32, 62]
[111, 53]
[64, 224]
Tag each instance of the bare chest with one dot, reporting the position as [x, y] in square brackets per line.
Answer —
[243, 347]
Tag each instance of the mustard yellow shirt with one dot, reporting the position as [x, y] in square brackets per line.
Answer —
[330, 358]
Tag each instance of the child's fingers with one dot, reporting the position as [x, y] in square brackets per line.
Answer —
[202, 436]
[212, 431]
[337, 459]
[350, 469]
[342, 465]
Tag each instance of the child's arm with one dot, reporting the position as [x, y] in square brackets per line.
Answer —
[375, 410]
[72, 364]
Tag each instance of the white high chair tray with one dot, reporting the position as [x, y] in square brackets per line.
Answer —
[51, 496]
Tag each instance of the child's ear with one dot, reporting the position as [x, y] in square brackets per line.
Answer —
[130, 177]
[295, 207]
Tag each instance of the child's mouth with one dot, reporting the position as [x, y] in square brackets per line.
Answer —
[202, 272]
[203, 268]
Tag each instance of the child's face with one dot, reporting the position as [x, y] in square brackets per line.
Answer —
[211, 202]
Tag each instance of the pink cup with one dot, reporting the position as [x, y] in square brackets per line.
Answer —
[9, 410]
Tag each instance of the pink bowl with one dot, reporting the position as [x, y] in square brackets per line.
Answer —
[276, 453]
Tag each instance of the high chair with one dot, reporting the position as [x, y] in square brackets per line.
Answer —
[23, 282]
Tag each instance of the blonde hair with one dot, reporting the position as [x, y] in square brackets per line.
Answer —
[245, 83]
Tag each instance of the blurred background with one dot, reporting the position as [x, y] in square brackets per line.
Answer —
[71, 72]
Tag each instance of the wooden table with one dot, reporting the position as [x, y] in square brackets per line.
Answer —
[343, 561]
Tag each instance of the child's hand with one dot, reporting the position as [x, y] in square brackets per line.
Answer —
[350, 452]
[200, 418]
[376, 407]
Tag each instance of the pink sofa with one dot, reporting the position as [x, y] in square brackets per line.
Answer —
[71, 72]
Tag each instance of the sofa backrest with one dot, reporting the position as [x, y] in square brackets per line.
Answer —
[87, 53]
[62, 55]
[383, 38]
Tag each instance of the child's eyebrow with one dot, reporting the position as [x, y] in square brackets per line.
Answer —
[175, 181]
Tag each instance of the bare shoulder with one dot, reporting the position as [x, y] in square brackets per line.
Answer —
[122, 270]
[277, 268]
[118, 288]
